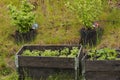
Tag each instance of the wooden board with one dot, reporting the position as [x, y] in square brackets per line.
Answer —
[46, 62]
[38, 73]
[104, 65]
[102, 75]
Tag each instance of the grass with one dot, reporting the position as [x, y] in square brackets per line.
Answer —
[57, 25]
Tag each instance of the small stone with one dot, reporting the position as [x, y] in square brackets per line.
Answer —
[35, 26]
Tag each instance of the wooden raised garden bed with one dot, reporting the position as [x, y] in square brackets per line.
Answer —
[38, 67]
[100, 69]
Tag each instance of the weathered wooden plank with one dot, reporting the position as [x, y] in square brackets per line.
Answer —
[102, 75]
[47, 62]
[105, 65]
[38, 73]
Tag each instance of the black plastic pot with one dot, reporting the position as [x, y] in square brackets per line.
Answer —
[90, 36]
[24, 37]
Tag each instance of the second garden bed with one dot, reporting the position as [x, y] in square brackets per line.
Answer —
[99, 68]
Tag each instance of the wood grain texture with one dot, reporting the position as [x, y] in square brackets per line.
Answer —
[102, 75]
[104, 65]
[46, 62]
[37, 73]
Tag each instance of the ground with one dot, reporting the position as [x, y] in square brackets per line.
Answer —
[57, 25]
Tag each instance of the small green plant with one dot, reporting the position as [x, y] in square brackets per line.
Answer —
[88, 11]
[33, 53]
[60, 76]
[5, 71]
[13, 76]
[28, 78]
[50, 53]
[63, 53]
[73, 52]
[24, 17]
[103, 54]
